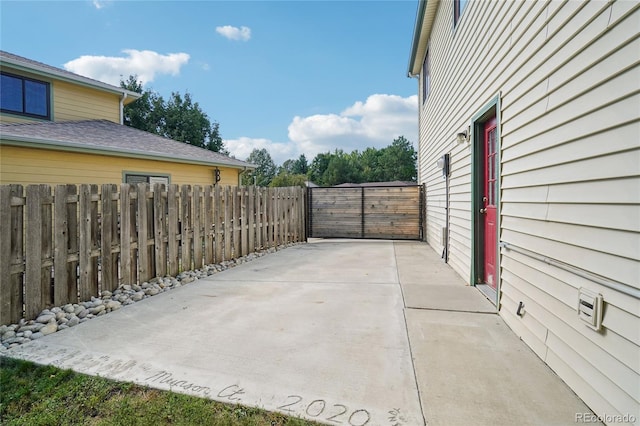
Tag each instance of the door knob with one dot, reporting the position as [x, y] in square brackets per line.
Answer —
[483, 211]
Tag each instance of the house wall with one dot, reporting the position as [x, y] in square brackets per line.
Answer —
[568, 77]
[71, 102]
[31, 165]
[74, 102]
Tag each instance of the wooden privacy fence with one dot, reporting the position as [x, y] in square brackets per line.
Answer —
[385, 212]
[68, 245]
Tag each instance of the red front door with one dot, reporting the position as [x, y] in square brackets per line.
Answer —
[489, 201]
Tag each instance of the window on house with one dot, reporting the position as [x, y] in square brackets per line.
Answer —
[458, 8]
[24, 96]
[137, 178]
[426, 78]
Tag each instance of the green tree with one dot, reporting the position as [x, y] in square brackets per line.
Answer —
[147, 112]
[288, 179]
[318, 166]
[179, 118]
[300, 166]
[370, 162]
[342, 168]
[287, 167]
[398, 161]
[265, 170]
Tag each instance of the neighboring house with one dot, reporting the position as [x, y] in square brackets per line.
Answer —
[529, 149]
[58, 127]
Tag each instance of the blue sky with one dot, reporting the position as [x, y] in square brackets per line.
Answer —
[295, 77]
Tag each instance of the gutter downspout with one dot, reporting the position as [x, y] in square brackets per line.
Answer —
[124, 96]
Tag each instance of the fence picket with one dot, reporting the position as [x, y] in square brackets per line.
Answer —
[236, 221]
[62, 293]
[84, 255]
[109, 273]
[228, 213]
[33, 249]
[207, 221]
[250, 214]
[217, 225]
[197, 227]
[186, 232]
[9, 311]
[244, 228]
[173, 213]
[127, 270]
[159, 220]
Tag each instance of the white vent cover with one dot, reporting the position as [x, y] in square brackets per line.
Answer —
[590, 308]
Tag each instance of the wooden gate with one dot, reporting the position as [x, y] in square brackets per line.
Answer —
[380, 212]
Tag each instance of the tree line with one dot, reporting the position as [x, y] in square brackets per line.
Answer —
[181, 119]
[396, 162]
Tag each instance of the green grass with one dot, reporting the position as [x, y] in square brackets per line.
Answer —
[32, 395]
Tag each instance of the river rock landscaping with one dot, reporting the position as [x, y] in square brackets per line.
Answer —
[61, 317]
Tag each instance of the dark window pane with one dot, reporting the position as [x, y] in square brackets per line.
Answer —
[11, 93]
[35, 98]
[136, 179]
[425, 78]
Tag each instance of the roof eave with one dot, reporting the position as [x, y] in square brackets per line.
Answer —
[12, 140]
[83, 81]
[422, 31]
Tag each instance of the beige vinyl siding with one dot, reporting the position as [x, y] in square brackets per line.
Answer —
[74, 102]
[30, 165]
[568, 75]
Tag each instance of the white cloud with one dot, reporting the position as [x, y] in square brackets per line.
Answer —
[234, 33]
[375, 122]
[99, 4]
[279, 151]
[143, 63]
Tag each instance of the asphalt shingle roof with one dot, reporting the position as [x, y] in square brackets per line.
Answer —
[112, 138]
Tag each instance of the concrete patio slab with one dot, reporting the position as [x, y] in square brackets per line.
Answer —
[472, 369]
[446, 298]
[420, 264]
[315, 330]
